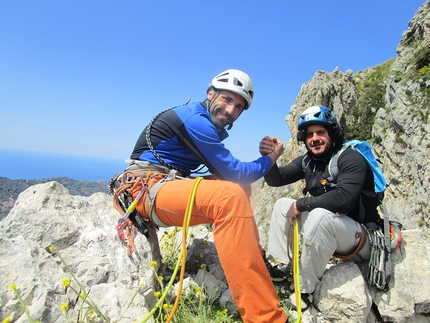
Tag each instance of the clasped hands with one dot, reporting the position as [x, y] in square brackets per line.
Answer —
[272, 147]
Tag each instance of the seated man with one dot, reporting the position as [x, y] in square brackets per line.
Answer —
[187, 136]
[332, 217]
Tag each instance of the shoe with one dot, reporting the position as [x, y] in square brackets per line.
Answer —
[278, 273]
[306, 301]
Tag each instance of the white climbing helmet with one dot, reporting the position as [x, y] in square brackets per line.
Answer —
[236, 81]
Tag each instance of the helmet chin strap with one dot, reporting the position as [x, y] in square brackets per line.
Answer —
[230, 126]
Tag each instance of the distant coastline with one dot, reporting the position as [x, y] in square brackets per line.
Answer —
[27, 164]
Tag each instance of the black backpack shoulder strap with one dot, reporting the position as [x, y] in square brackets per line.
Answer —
[333, 169]
[305, 162]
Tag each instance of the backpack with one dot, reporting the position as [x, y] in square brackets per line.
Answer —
[365, 150]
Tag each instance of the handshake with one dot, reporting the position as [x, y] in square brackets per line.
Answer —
[272, 147]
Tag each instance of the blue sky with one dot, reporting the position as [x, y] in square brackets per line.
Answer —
[85, 77]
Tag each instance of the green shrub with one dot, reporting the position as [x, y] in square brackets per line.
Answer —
[422, 58]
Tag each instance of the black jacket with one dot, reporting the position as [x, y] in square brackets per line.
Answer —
[347, 196]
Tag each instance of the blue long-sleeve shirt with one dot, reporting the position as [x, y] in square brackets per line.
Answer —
[186, 137]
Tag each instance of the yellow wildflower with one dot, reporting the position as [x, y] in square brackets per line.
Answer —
[142, 284]
[203, 266]
[6, 320]
[66, 282]
[165, 306]
[153, 264]
[64, 307]
[160, 278]
[82, 295]
[51, 249]
[157, 294]
[13, 286]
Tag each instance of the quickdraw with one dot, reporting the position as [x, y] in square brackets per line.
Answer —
[379, 271]
[124, 222]
[376, 270]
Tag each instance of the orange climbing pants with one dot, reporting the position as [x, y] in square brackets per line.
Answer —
[226, 205]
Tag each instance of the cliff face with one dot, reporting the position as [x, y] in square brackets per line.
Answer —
[387, 105]
[402, 127]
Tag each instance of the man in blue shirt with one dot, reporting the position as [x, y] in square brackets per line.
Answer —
[182, 139]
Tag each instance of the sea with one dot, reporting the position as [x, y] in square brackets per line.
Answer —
[27, 164]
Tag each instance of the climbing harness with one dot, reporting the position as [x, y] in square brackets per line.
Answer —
[123, 187]
[360, 245]
[296, 271]
[182, 257]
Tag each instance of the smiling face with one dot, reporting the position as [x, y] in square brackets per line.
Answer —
[224, 107]
[318, 140]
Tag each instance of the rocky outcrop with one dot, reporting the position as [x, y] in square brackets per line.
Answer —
[82, 230]
[402, 127]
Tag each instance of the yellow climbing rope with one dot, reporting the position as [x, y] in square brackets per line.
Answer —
[182, 257]
[296, 271]
[187, 219]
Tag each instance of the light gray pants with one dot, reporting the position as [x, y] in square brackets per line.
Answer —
[323, 233]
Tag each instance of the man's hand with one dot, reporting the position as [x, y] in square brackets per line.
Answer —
[272, 147]
[293, 213]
